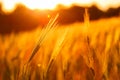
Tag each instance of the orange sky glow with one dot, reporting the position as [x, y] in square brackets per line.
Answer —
[10, 5]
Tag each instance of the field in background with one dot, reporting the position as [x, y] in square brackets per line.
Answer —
[71, 52]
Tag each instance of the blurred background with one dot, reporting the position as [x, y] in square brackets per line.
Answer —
[22, 18]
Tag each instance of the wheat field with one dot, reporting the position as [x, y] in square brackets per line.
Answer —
[79, 51]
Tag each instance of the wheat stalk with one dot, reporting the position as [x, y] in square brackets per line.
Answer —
[52, 23]
[50, 26]
[59, 45]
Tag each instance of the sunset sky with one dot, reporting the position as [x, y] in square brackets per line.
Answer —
[10, 5]
[24, 17]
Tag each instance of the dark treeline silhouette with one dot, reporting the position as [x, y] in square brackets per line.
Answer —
[95, 13]
[22, 19]
[76, 13]
[25, 19]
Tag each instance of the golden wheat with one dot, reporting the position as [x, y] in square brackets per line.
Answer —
[65, 53]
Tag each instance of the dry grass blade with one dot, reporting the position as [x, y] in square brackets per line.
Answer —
[43, 35]
[60, 43]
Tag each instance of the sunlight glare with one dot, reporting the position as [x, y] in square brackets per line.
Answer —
[10, 5]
